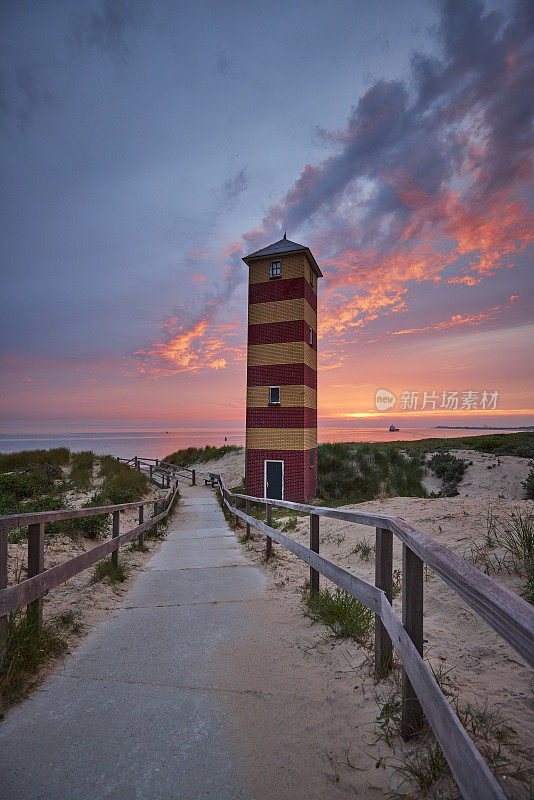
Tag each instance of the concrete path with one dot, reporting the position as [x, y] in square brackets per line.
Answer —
[138, 711]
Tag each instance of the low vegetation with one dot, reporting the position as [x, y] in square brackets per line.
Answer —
[422, 766]
[199, 455]
[450, 470]
[107, 570]
[57, 457]
[81, 470]
[498, 444]
[342, 614]
[29, 647]
[39, 480]
[351, 472]
[121, 483]
[508, 547]
[529, 484]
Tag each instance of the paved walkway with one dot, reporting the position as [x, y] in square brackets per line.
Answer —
[138, 711]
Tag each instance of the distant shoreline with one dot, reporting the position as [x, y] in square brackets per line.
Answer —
[483, 428]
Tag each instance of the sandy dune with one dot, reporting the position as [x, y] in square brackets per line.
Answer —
[485, 670]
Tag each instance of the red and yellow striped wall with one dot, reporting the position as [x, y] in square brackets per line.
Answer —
[282, 351]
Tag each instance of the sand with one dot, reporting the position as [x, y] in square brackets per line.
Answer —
[333, 722]
[89, 602]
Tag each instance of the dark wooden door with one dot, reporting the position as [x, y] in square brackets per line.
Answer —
[274, 477]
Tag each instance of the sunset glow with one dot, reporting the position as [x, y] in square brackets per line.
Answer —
[413, 189]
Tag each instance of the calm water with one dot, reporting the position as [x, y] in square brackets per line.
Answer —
[157, 443]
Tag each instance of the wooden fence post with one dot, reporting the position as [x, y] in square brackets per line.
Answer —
[115, 533]
[247, 511]
[314, 546]
[4, 532]
[150, 471]
[141, 537]
[235, 502]
[193, 477]
[269, 543]
[35, 566]
[384, 581]
[412, 619]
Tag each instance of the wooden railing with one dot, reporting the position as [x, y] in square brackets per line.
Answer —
[40, 580]
[152, 466]
[509, 615]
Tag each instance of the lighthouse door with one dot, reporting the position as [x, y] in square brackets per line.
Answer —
[274, 480]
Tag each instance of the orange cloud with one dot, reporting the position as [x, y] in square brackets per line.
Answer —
[204, 346]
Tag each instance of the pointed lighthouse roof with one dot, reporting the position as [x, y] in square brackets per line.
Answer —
[282, 247]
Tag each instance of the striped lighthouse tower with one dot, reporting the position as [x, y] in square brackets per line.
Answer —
[281, 442]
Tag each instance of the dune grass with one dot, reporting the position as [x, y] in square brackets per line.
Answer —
[342, 614]
[449, 469]
[57, 456]
[498, 444]
[107, 570]
[29, 647]
[350, 472]
[81, 470]
[422, 766]
[121, 483]
[199, 455]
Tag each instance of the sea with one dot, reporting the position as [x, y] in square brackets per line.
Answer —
[158, 442]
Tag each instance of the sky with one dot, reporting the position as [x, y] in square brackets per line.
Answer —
[146, 147]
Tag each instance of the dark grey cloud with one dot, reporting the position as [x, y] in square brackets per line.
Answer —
[234, 187]
[23, 93]
[466, 111]
[226, 65]
[106, 30]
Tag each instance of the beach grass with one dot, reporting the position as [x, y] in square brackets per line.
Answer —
[199, 455]
[350, 472]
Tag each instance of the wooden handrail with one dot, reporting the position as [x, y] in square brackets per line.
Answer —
[509, 615]
[40, 581]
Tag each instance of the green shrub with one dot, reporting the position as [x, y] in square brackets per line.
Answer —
[121, 484]
[341, 613]
[350, 472]
[91, 527]
[58, 457]
[81, 470]
[29, 646]
[22, 485]
[499, 444]
[529, 484]
[450, 470]
[195, 455]
[115, 573]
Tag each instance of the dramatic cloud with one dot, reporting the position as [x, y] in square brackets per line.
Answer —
[192, 337]
[430, 175]
[428, 186]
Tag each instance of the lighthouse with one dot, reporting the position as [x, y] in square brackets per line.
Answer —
[281, 439]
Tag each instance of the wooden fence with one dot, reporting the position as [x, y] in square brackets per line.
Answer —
[40, 580]
[509, 615]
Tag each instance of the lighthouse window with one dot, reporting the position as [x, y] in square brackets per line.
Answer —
[276, 269]
[311, 337]
[274, 395]
[311, 276]
[311, 458]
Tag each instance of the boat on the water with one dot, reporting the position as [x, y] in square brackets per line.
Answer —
[393, 429]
